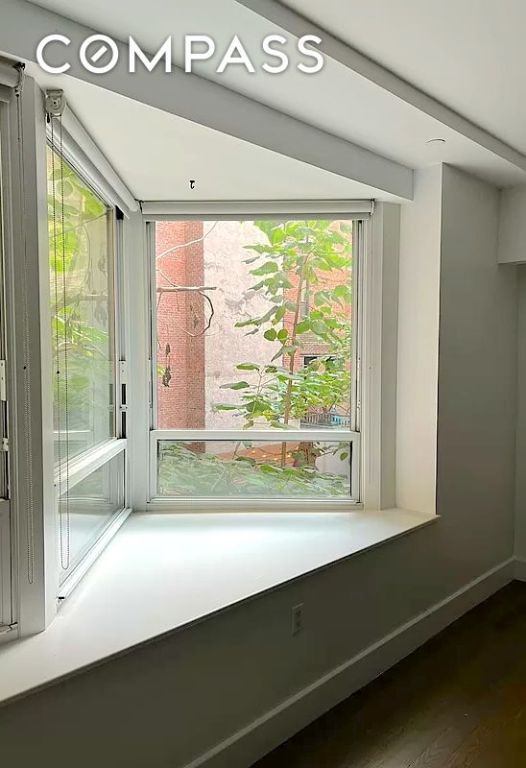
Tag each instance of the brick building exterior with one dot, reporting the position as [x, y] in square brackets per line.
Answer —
[180, 325]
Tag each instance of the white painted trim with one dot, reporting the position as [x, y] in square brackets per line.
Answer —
[269, 506]
[255, 435]
[82, 151]
[29, 351]
[137, 267]
[270, 435]
[379, 321]
[520, 569]
[69, 584]
[249, 744]
[239, 209]
[6, 608]
[82, 466]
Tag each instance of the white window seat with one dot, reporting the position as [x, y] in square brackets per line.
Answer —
[165, 571]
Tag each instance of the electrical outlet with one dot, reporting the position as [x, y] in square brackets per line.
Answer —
[297, 619]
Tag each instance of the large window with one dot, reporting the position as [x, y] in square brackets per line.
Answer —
[81, 289]
[88, 467]
[254, 348]
[6, 615]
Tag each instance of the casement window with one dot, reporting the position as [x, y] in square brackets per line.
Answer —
[255, 360]
[6, 614]
[89, 452]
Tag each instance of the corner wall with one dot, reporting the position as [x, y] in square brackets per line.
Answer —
[418, 334]
[477, 373]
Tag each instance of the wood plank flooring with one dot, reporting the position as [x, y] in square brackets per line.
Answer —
[457, 702]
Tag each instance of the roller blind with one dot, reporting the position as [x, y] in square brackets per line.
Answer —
[268, 209]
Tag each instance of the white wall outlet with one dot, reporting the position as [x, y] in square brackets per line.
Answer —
[297, 619]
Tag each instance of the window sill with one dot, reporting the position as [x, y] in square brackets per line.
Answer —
[208, 562]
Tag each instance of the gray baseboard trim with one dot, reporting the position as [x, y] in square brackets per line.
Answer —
[520, 569]
[262, 735]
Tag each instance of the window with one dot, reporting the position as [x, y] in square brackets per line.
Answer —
[254, 359]
[6, 608]
[81, 289]
[89, 463]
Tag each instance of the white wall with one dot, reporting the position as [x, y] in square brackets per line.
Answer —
[477, 372]
[418, 322]
[168, 702]
[512, 226]
[512, 250]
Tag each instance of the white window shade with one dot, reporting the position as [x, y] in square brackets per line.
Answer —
[236, 210]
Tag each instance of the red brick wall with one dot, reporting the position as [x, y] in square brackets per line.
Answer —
[180, 323]
[311, 345]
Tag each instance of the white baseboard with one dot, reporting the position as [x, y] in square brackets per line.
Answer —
[249, 744]
[520, 569]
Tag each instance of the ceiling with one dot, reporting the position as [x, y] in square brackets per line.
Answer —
[469, 54]
[171, 151]
[460, 53]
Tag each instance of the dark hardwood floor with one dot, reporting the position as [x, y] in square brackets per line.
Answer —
[457, 702]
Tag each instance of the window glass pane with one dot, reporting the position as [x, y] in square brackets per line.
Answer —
[254, 323]
[248, 469]
[81, 251]
[86, 510]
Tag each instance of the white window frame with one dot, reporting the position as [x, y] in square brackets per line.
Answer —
[359, 211]
[34, 490]
[7, 613]
[89, 461]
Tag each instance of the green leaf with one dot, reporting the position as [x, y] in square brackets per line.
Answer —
[343, 292]
[236, 385]
[322, 297]
[280, 314]
[319, 328]
[283, 334]
[225, 407]
[270, 334]
[303, 326]
[266, 269]
[247, 367]
[244, 323]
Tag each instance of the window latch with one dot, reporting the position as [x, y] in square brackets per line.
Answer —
[3, 384]
[123, 371]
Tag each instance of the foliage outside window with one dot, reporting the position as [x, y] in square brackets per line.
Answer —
[82, 320]
[81, 292]
[269, 317]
